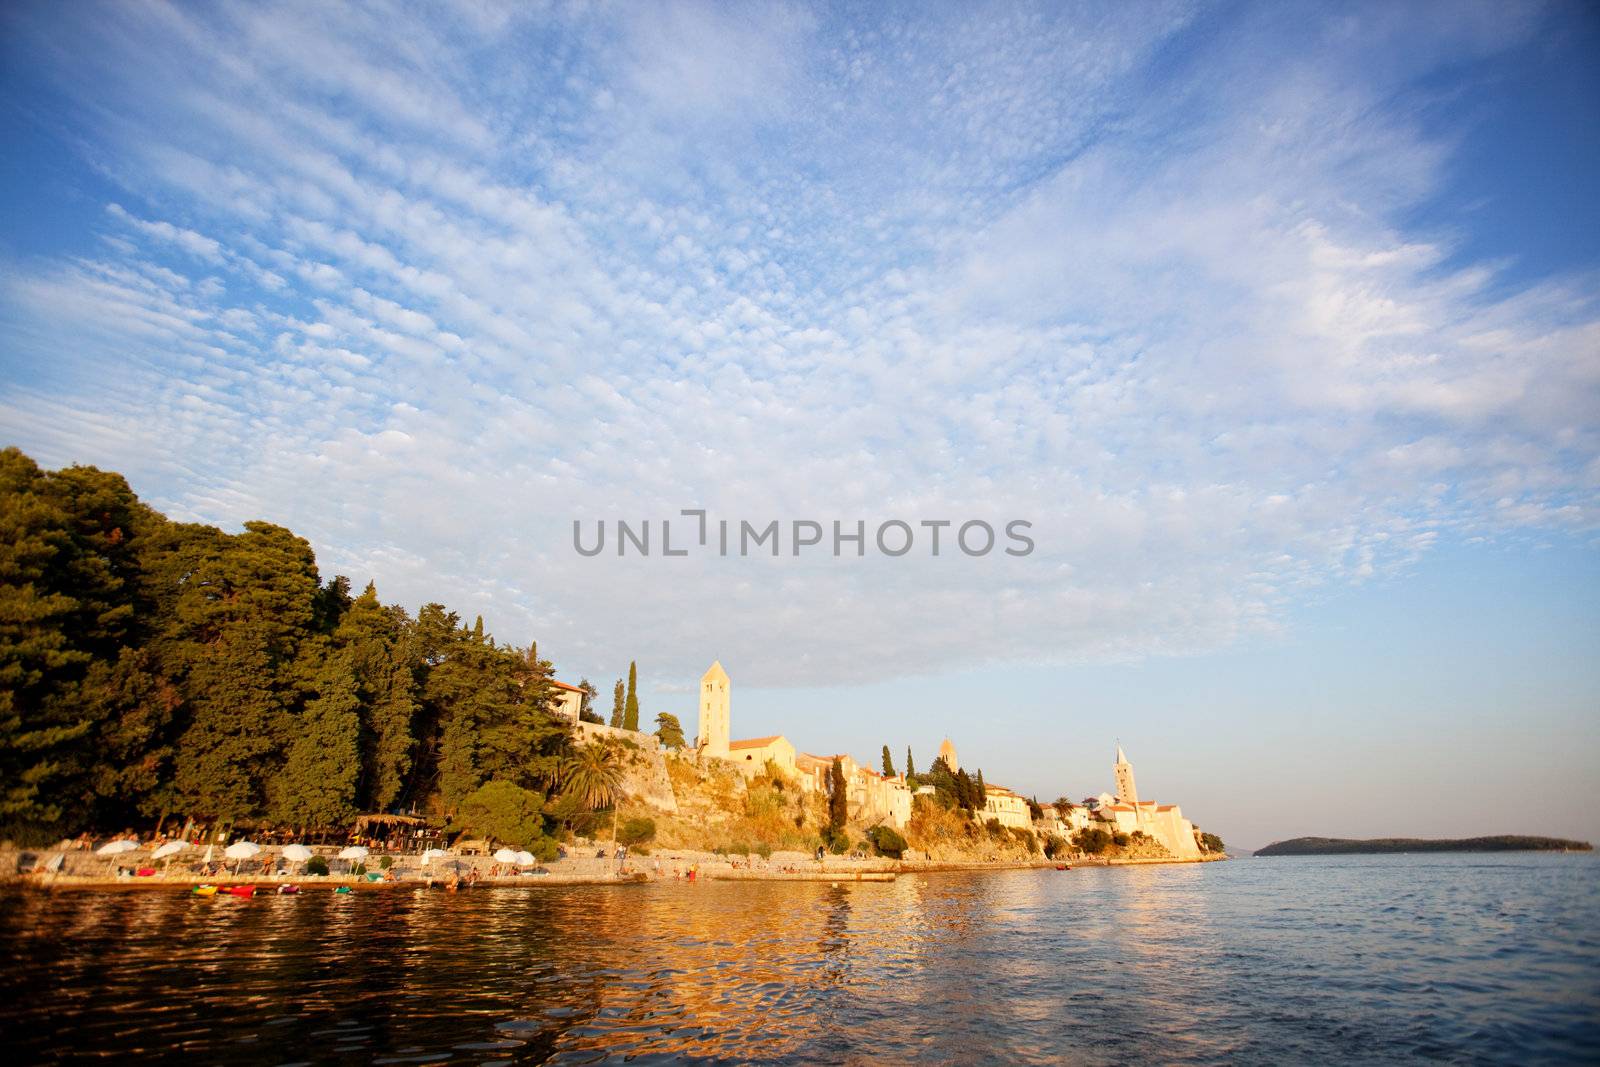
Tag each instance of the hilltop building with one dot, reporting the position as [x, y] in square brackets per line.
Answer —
[568, 702]
[947, 752]
[1003, 804]
[1126, 813]
[715, 701]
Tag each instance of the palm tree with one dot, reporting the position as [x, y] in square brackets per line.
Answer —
[593, 774]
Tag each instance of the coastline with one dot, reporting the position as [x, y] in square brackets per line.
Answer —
[640, 870]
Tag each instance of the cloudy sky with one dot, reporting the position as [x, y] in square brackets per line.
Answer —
[1280, 325]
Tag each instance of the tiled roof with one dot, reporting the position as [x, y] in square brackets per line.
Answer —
[755, 742]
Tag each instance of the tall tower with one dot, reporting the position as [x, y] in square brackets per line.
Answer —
[714, 709]
[1127, 792]
[947, 752]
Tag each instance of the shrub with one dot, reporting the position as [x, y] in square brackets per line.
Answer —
[385, 862]
[1092, 842]
[545, 849]
[636, 830]
[1120, 840]
[993, 826]
[838, 841]
[763, 850]
[1055, 846]
[316, 865]
[1212, 843]
[505, 812]
[886, 841]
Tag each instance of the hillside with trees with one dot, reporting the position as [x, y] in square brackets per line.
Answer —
[1339, 846]
[152, 669]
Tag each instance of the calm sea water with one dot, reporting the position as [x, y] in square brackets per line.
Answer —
[1461, 958]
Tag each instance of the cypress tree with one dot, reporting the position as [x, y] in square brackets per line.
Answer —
[838, 798]
[911, 769]
[888, 764]
[630, 718]
[617, 705]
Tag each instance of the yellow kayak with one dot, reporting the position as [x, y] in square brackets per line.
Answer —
[205, 890]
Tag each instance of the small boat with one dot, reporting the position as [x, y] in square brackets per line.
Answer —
[342, 890]
[245, 891]
[286, 890]
[1063, 867]
[205, 890]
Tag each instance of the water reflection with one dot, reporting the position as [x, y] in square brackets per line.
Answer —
[1182, 964]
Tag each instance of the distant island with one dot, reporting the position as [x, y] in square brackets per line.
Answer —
[1344, 846]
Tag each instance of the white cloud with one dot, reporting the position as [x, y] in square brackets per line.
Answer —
[967, 268]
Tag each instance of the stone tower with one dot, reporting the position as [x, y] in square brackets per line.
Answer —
[947, 752]
[1127, 792]
[714, 710]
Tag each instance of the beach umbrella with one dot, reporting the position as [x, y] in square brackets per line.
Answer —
[354, 853]
[241, 851]
[116, 848]
[525, 859]
[171, 848]
[296, 853]
[505, 855]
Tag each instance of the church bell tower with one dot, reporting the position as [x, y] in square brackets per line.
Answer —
[1127, 792]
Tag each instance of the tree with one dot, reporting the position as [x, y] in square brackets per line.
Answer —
[911, 770]
[888, 763]
[458, 765]
[586, 712]
[317, 786]
[838, 798]
[1212, 843]
[618, 706]
[886, 841]
[630, 715]
[1093, 842]
[669, 730]
[504, 812]
[592, 775]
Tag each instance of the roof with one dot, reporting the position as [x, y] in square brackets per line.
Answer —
[1167, 807]
[564, 685]
[755, 742]
[715, 673]
[1119, 807]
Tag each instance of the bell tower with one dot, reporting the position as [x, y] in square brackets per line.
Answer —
[714, 711]
[1127, 792]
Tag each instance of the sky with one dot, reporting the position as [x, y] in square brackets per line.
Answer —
[1279, 324]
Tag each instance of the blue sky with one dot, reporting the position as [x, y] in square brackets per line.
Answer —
[1279, 322]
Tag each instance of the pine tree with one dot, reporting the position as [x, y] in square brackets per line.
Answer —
[630, 717]
[669, 730]
[888, 764]
[458, 765]
[317, 786]
[618, 706]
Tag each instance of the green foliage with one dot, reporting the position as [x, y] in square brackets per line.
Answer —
[317, 865]
[957, 790]
[1035, 809]
[1120, 839]
[619, 708]
[150, 668]
[911, 769]
[636, 830]
[1212, 843]
[586, 712]
[1093, 841]
[630, 711]
[888, 763]
[886, 841]
[669, 731]
[837, 841]
[838, 797]
[504, 812]
[593, 774]
[1056, 847]
[385, 862]
[545, 849]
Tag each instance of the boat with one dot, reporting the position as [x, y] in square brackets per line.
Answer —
[245, 891]
[1063, 867]
[285, 890]
[342, 890]
[205, 890]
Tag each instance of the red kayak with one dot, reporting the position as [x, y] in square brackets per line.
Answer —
[239, 890]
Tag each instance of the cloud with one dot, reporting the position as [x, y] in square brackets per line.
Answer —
[427, 286]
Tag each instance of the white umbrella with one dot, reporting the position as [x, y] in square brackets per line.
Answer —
[171, 848]
[505, 855]
[525, 859]
[116, 848]
[296, 853]
[241, 850]
[354, 852]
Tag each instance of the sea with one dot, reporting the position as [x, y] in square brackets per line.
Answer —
[1350, 959]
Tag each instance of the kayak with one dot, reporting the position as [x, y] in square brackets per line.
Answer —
[285, 890]
[205, 890]
[342, 889]
[1062, 867]
[240, 890]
